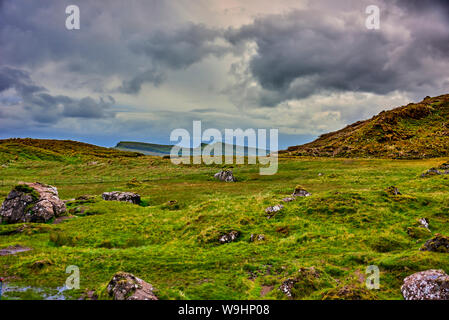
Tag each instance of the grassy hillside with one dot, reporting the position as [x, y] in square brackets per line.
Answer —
[348, 223]
[418, 130]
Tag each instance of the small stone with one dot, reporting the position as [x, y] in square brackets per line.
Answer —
[393, 191]
[270, 211]
[301, 192]
[258, 237]
[424, 222]
[426, 285]
[288, 199]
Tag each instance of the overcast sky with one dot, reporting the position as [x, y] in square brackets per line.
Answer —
[137, 69]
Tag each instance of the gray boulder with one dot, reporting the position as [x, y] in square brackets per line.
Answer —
[31, 202]
[225, 175]
[126, 286]
[121, 196]
[426, 285]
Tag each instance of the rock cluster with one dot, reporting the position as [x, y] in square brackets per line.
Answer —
[126, 286]
[228, 237]
[121, 196]
[225, 175]
[31, 202]
[426, 285]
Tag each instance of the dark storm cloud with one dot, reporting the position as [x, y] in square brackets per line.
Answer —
[307, 52]
[46, 108]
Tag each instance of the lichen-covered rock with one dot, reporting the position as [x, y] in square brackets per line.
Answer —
[32, 202]
[288, 199]
[270, 211]
[426, 285]
[126, 286]
[228, 237]
[301, 192]
[121, 196]
[439, 243]
[225, 175]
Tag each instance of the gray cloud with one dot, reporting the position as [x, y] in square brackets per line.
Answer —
[182, 47]
[46, 108]
[134, 85]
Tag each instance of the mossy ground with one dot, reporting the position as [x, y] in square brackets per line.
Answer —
[348, 223]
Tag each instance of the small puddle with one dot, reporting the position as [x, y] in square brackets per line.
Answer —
[12, 292]
[13, 250]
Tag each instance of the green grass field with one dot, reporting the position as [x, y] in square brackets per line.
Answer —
[347, 224]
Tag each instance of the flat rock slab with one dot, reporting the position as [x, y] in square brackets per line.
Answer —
[13, 250]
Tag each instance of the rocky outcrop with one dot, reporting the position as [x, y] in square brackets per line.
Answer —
[228, 237]
[32, 202]
[439, 243]
[121, 196]
[225, 175]
[426, 285]
[126, 286]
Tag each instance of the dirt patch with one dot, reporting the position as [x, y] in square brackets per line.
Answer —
[265, 290]
[58, 220]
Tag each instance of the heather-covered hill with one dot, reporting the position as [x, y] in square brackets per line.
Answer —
[417, 130]
[57, 150]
